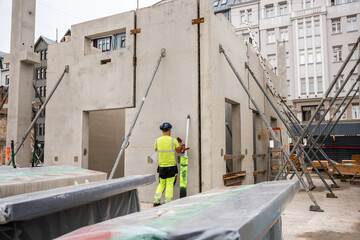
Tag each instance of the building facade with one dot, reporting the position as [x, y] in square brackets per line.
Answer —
[4, 71]
[4, 83]
[318, 36]
[40, 77]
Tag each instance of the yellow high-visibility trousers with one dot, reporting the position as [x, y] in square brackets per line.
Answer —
[167, 183]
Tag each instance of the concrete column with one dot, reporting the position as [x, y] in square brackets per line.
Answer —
[21, 59]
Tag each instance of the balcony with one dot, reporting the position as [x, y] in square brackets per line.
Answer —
[309, 11]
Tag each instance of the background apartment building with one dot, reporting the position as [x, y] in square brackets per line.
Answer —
[40, 76]
[317, 35]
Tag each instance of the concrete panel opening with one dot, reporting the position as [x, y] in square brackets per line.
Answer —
[232, 135]
[260, 146]
[105, 131]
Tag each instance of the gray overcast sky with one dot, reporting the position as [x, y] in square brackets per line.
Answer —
[61, 14]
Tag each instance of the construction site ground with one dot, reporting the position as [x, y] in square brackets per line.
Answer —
[340, 219]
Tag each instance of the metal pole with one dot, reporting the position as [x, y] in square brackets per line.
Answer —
[332, 84]
[329, 195]
[5, 97]
[315, 207]
[41, 110]
[187, 134]
[126, 140]
[321, 151]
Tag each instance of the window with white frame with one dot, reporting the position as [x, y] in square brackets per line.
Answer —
[271, 36]
[355, 55]
[349, 1]
[311, 85]
[339, 82]
[355, 111]
[301, 29]
[351, 23]
[318, 54]
[302, 56]
[246, 37]
[353, 79]
[38, 74]
[283, 8]
[319, 84]
[242, 16]
[272, 60]
[337, 54]
[284, 34]
[45, 54]
[249, 15]
[41, 55]
[216, 3]
[303, 86]
[287, 60]
[343, 117]
[317, 27]
[269, 11]
[7, 80]
[335, 25]
[310, 56]
[223, 2]
[307, 4]
[288, 87]
[334, 2]
[308, 29]
[42, 73]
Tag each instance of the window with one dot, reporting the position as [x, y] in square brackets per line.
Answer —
[308, 4]
[41, 55]
[249, 15]
[302, 57]
[308, 29]
[320, 113]
[216, 3]
[319, 84]
[351, 23]
[317, 27]
[337, 54]
[303, 85]
[343, 117]
[7, 79]
[287, 60]
[7, 65]
[339, 82]
[335, 25]
[247, 38]
[306, 113]
[223, 2]
[355, 55]
[284, 34]
[44, 91]
[38, 75]
[310, 56]
[301, 29]
[318, 54]
[311, 85]
[45, 54]
[41, 91]
[242, 16]
[355, 111]
[40, 130]
[335, 2]
[288, 87]
[42, 73]
[349, 1]
[271, 36]
[269, 11]
[283, 9]
[272, 60]
[45, 72]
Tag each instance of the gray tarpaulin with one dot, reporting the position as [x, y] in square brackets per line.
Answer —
[52, 213]
[244, 212]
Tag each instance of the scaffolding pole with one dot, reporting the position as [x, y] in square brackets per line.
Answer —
[292, 134]
[314, 207]
[40, 111]
[332, 84]
[126, 140]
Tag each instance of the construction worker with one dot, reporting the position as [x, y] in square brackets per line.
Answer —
[165, 147]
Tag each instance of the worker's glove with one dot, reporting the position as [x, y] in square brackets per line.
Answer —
[179, 140]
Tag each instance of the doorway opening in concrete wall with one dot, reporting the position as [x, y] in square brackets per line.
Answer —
[103, 134]
[232, 135]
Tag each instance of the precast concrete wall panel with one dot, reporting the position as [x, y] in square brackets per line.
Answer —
[90, 85]
[174, 93]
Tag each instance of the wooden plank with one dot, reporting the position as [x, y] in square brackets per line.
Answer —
[318, 166]
[239, 156]
[348, 161]
[258, 156]
[259, 172]
[233, 178]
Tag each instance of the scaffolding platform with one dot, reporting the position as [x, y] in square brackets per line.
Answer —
[241, 212]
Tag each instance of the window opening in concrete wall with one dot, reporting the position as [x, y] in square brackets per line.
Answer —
[108, 42]
[232, 135]
[103, 133]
